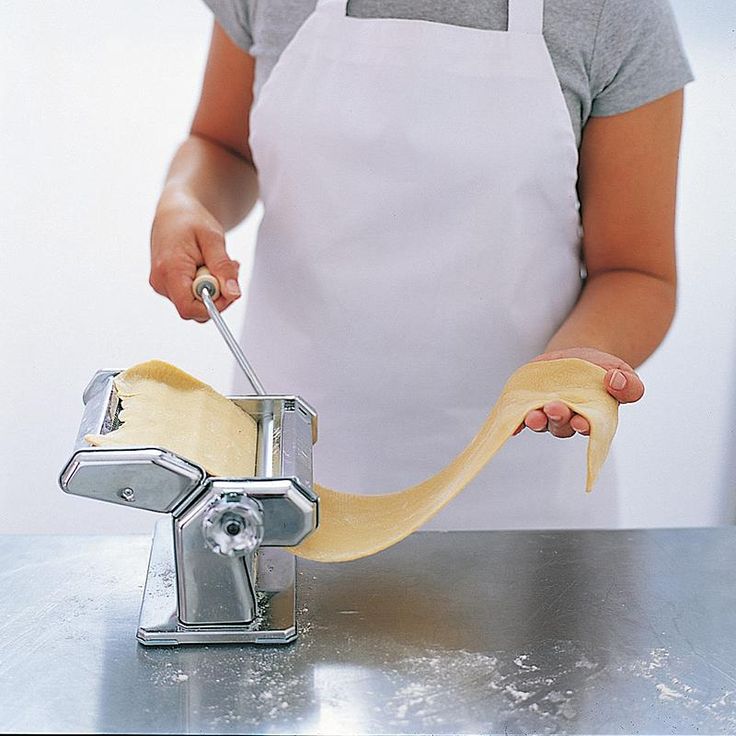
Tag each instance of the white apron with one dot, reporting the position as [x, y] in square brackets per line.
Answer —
[420, 241]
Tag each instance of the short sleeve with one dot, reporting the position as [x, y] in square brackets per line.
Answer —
[638, 56]
[232, 15]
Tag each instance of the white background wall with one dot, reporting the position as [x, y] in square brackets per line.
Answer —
[94, 97]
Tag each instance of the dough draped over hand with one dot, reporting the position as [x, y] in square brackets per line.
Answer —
[165, 407]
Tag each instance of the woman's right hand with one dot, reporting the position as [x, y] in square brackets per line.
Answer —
[185, 236]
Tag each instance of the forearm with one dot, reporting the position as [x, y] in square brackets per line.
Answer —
[223, 182]
[624, 313]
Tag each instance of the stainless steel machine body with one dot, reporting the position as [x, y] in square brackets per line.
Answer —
[218, 572]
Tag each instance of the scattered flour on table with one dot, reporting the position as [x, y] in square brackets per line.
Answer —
[253, 685]
[666, 693]
[506, 685]
[538, 689]
[668, 676]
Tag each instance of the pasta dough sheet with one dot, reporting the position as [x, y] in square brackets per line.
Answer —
[159, 399]
[165, 407]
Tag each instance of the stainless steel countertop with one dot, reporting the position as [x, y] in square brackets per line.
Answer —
[459, 632]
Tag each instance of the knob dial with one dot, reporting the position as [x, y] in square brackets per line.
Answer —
[233, 524]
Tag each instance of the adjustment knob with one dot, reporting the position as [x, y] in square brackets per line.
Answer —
[233, 524]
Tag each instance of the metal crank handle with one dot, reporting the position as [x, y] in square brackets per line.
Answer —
[206, 288]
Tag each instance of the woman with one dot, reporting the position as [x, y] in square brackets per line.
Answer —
[446, 196]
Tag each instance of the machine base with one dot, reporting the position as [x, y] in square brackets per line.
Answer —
[159, 623]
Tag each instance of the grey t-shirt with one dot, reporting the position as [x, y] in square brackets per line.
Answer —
[610, 56]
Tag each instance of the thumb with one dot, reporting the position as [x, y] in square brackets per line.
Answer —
[624, 385]
[212, 245]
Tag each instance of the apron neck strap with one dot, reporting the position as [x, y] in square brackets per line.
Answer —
[526, 16]
[335, 7]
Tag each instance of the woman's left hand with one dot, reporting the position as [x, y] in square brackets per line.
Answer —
[621, 381]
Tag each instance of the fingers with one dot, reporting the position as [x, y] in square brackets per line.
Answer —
[580, 424]
[624, 384]
[172, 277]
[212, 245]
[180, 293]
[557, 418]
[536, 421]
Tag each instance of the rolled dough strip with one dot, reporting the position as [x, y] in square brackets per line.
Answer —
[351, 525]
[165, 407]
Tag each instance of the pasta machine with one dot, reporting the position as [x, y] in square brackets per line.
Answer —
[218, 571]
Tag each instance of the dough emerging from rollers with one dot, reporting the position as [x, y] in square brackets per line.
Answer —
[157, 396]
[166, 407]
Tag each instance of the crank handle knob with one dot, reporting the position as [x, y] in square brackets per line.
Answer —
[203, 279]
